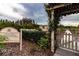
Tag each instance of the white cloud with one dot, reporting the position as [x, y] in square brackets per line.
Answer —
[68, 23]
[72, 19]
[12, 10]
[41, 17]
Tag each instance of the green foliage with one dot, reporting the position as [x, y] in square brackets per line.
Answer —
[39, 37]
[33, 35]
[43, 43]
[25, 25]
[51, 25]
[2, 46]
[2, 39]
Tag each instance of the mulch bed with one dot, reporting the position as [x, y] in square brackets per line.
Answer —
[28, 49]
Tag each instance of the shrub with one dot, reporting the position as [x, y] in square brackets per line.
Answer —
[33, 35]
[2, 39]
[43, 43]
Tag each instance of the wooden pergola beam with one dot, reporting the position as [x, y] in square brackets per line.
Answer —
[70, 12]
[60, 10]
[58, 6]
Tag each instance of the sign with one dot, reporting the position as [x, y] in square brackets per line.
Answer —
[11, 35]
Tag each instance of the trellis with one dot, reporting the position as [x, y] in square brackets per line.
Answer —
[55, 11]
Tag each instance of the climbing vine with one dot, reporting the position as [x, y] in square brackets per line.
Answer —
[53, 25]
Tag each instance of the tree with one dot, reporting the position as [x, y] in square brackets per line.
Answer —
[25, 23]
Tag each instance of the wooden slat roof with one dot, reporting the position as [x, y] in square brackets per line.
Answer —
[63, 8]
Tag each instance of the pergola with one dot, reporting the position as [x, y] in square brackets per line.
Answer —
[55, 11]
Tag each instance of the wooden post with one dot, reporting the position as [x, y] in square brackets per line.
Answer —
[21, 40]
[52, 33]
[52, 41]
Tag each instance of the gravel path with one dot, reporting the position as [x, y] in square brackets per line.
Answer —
[29, 49]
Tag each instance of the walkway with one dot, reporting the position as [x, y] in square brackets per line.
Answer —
[61, 52]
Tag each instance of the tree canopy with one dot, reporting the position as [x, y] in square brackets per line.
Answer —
[23, 23]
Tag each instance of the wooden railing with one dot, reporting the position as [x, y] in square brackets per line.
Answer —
[69, 41]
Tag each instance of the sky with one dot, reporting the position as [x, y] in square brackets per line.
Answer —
[15, 11]
[70, 20]
[35, 11]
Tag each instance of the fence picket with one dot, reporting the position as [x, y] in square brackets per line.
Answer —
[69, 41]
[66, 40]
[72, 43]
[69, 35]
[59, 37]
[76, 44]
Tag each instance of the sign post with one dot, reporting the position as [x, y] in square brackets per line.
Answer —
[20, 40]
